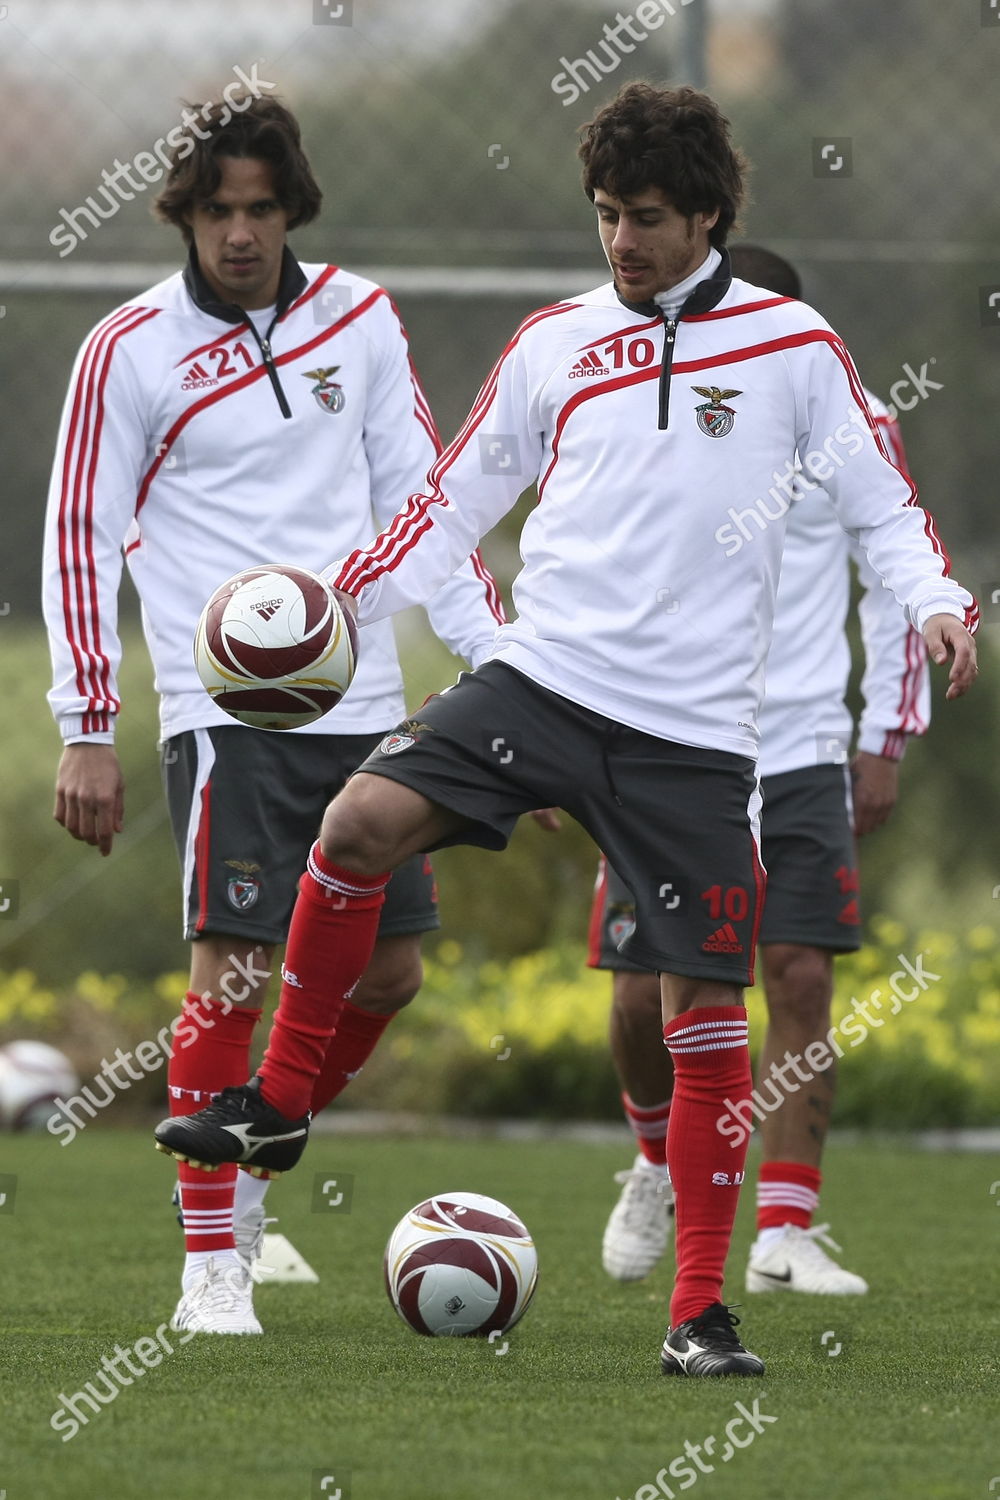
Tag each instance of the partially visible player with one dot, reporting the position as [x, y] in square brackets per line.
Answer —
[640, 721]
[815, 804]
[247, 410]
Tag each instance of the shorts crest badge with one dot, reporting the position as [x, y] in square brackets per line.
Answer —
[715, 419]
[403, 737]
[621, 924]
[242, 892]
[393, 743]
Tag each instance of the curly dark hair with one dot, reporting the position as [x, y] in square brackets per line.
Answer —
[676, 140]
[251, 126]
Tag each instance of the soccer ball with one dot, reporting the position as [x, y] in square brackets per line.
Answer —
[32, 1076]
[460, 1264]
[273, 647]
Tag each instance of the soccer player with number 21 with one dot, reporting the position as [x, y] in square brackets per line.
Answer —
[637, 717]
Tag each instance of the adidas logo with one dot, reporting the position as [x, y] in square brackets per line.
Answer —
[851, 913]
[197, 378]
[587, 367]
[723, 940]
[267, 609]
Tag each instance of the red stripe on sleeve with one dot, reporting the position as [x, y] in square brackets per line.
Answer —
[81, 611]
[364, 567]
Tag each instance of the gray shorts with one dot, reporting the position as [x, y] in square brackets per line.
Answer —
[812, 873]
[246, 806]
[679, 822]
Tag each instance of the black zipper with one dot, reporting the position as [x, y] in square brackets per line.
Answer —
[706, 295]
[669, 335]
[264, 345]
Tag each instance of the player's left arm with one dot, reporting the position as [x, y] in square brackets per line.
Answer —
[877, 505]
[895, 686]
[401, 443]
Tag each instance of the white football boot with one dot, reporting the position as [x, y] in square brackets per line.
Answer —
[638, 1231]
[794, 1262]
[219, 1301]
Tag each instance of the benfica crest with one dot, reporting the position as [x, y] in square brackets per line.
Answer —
[403, 737]
[243, 893]
[714, 419]
[621, 924]
[329, 395]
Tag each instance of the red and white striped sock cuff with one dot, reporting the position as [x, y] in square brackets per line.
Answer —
[335, 882]
[649, 1126]
[200, 1098]
[710, 1028]
[207, 1211]
[201, 1222]
[787, 1193]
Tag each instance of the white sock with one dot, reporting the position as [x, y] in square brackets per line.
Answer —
[196, 1261]
[767, 1237]
[250, 1193]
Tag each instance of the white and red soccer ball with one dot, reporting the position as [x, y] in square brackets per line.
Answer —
[274, 648]
[460, 1265]
[33, 1076]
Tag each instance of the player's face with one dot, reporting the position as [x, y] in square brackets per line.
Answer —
[239, 233]
[650, 245]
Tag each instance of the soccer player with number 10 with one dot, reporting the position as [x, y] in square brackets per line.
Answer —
[643, 410]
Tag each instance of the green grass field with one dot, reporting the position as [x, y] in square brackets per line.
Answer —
[575, 1407]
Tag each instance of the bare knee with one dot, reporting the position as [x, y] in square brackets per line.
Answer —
[374, 824]
[636, 997]
[354, 836]
[393, 976]
[798, 982]
[230, 968]
[681, 992]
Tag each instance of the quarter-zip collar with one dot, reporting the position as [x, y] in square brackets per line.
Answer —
[292, 283]
[707, 294]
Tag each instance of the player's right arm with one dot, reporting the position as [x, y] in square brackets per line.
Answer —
[100, 451]
[474, 482]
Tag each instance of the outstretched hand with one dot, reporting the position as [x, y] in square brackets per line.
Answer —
[947, 636]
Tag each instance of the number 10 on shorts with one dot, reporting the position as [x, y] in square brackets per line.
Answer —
[731, 902]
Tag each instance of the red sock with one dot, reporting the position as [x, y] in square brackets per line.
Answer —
[649, 1126]
[355, 1039]
[211, 1051]
[708, 1046]
[329, 944]
[787, 1193]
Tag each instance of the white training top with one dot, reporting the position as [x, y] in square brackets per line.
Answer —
[173, 444]
[651, 561]
[804, 720]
